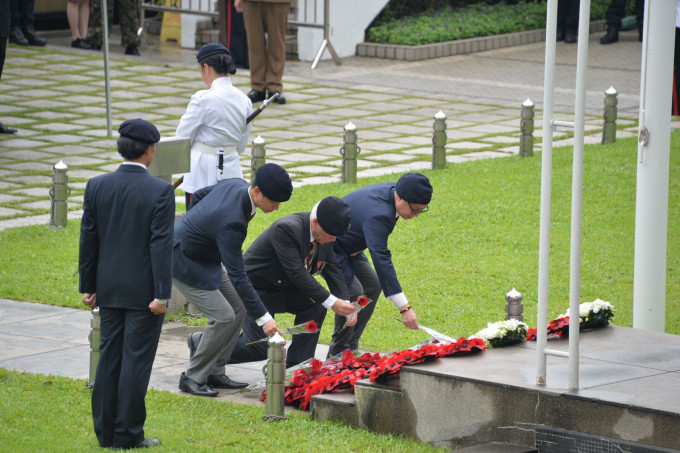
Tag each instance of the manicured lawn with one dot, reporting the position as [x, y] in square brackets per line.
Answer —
[52, 414]
[456, 262]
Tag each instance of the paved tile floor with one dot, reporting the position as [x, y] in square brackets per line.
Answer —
[55, 96]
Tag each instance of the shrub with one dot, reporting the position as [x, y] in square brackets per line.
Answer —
[468, 19]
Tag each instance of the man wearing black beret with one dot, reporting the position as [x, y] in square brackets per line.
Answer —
[281, 263]
[375, 211]
[125, 268]
[208, 269]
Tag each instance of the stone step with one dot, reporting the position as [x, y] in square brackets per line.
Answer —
[497, 447]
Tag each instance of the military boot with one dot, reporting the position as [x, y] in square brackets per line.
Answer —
[16, 36]
[612, 36]
[32, 36]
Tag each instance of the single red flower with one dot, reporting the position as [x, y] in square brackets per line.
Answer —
[362, 301]
[532, 333]
[311, 327]
[347, 357]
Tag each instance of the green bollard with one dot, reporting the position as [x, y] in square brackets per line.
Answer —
[59, 194]
[526, 125]
[349, 152]
[95, 340]
[439, 141]
[258, 156]
[610, 116]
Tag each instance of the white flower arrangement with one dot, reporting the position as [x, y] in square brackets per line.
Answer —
[594, 314]
[503, 332]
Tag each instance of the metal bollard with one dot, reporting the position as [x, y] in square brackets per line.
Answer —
[349, 153]
[95, 339]
[59, 194]
[610, 115]
[275, 375]
[258, 158]
[526, 126]
[439, 141]
[514, 306]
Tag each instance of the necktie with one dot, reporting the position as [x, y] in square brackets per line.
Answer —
[309, 259]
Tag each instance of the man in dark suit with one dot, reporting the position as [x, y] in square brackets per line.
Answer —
[208, 269]
[125, 269]
[4, 33]
[281, 263]
[375, 211]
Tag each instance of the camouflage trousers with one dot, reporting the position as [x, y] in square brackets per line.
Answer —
[128, 13]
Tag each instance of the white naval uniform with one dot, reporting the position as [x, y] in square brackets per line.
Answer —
[215, 117]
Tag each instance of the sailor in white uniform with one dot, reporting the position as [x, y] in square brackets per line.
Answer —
[215, 120]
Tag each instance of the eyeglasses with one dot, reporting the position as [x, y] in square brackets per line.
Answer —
[418, 211]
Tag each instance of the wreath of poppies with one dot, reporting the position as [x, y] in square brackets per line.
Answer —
[316, 377]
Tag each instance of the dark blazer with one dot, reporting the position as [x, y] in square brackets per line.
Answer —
[211, 234]
[373, 218]
[276, 261]
[4, 18]
[126, 238]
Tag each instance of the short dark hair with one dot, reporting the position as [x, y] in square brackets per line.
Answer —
[131, 149]
[220, 62]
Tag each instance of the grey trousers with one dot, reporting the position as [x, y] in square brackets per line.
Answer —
[365, 283]
[225, 312]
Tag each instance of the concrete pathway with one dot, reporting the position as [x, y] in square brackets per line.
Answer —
[55, 97]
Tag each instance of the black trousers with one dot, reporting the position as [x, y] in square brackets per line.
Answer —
[617, 11]
[233, 33]
[676, 74]
[567, 15]
[21, 12]
[302, 346]
[366, 283]
[129, 339]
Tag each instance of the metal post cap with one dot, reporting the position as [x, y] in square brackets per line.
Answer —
[350, 127]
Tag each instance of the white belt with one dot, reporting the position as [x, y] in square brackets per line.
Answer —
[213, 150]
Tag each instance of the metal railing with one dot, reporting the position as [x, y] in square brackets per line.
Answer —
[307, 8]
[196, 7]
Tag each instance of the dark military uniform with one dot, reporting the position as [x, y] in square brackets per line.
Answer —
[128, 13]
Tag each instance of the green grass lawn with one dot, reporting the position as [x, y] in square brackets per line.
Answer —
[52, 414]
[457, 262]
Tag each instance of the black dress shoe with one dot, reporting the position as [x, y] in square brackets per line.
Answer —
[280, 99]
[16, 36]
[560, 35]
[612, 36]
[222, 381]
[256, 96]
[32, 36]
[132, 50]
[94, 46]
[192, 341]
[146, 443]
[7, 130]
[80, 43]
[188, 385]
[570, 37]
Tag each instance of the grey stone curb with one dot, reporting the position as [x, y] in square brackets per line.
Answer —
[458, 47]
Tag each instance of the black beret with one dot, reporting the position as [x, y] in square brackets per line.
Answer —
[334, 216]
[414, 188]
[274, 182]
[140, 130]
[210, 49]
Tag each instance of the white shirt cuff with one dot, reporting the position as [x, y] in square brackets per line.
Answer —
[398, 299]
[262, 320]
[161, 301]
[328, 303]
